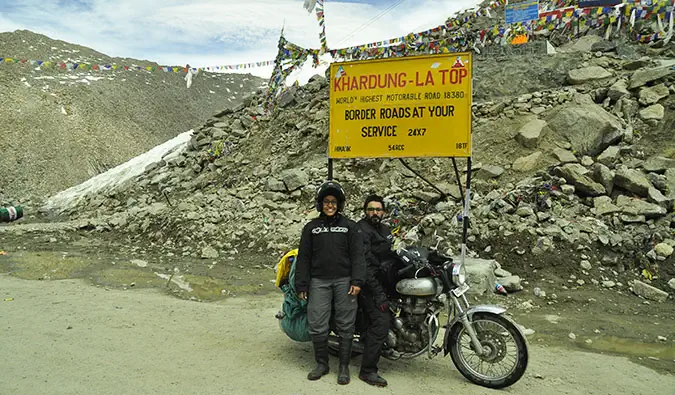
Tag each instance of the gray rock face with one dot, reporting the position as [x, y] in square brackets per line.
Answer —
[527, 163]
[608, 156]
[564, 156]
[649, 292]
[653, 112]
[294, 179]
[655, 196]
[490, 171]
[603, 205]
[511, 283]
[632, 180]
[530, 133]
[670, 183]
[209, 252]
[658, 164]
[589, 128]
[663, 249]
[604, 176]
[275, 185]
[618, 90]
[587, 74]
[642, 77]
[636, 207]
[480, 274]
[653, 94]
[583, 184]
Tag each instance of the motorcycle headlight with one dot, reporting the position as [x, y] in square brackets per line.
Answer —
[458, 274]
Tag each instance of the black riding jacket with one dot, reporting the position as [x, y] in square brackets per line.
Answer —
[377, 244]
[330, 248]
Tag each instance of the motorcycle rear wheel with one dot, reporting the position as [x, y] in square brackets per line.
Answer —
[499, 337]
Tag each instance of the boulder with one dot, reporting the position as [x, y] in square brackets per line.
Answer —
[642, 77]
[658, 164]
[275, 185]
[209, 252]
[632, 180]
[527, 163]
[490, 171]
[655, 196]
[670, 183]
[603, 46]
[588, 128]
[653, 94]
[638, 207]
[583, 184]
[663, 249]
[565, 156]
[511, 283]
[480, 274]
[587, 74]
[656, 112]
[604, 176]
[618, 90]
[294, 179]
[603, 205]
[649, 292]
[608, 156]
[530, 133]
[584, 44]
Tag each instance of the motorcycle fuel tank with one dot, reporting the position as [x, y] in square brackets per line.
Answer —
[416, 287]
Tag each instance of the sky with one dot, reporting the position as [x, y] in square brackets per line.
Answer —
[219, 32]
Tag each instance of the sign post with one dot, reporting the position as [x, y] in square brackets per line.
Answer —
[401, 108]
[404, 107]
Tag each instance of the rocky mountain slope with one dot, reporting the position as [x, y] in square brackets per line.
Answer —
[61, 127]
[578, 175]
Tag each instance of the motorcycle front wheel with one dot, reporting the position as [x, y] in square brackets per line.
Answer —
[503, 359]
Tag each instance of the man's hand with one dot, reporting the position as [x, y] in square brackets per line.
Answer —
[354, 290]
[302, 295]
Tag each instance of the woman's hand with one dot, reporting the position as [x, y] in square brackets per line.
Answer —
[302, 295]
[354, 290]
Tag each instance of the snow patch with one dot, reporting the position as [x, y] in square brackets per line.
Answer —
[70, 198]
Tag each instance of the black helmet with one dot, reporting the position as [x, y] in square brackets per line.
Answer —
[330, 188]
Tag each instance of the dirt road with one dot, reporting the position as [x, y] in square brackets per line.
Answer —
[68, 337]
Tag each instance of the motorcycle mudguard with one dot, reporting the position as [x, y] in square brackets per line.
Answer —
[485, 308]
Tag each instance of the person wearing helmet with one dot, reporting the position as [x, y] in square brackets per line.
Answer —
[373, 299]
[330, 270]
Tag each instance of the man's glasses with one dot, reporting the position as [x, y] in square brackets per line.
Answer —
[372, 209]
[330, 202]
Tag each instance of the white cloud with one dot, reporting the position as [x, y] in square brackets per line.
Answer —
[218, 32]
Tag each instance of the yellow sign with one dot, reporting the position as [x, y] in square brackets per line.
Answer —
[402, 107]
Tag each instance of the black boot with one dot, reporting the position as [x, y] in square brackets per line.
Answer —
[345, 354]
[373, 379]
[321, 357]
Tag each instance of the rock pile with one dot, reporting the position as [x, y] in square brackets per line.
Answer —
[584, 169]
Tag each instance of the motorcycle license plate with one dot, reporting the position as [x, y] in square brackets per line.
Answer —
[461, 290]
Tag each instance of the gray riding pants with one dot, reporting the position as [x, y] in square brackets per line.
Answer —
[324, 295]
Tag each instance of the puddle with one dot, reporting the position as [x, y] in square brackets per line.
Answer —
[186, 278]
[664, 350]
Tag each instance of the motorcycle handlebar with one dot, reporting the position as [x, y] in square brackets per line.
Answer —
[405, 269]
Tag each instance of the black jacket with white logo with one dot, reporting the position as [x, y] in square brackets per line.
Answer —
[377, 245]
[330, 248]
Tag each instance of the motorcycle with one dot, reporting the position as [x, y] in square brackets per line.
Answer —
[487, 347]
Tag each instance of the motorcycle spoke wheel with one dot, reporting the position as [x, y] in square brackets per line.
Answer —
[504, 355]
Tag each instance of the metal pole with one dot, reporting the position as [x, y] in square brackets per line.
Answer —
[467, 205]
[459, 180]
[330, 168]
